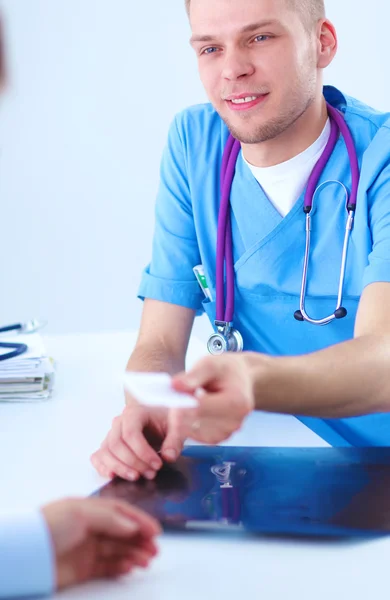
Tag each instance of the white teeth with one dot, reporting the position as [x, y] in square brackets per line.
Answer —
[244, 100]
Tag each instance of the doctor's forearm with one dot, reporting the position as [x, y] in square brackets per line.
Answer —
[349, 379]
[155, 358]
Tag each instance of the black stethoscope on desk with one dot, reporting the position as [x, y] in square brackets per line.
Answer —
[16, 349]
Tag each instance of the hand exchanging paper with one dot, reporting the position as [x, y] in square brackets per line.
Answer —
[145, 433]
[224, 390]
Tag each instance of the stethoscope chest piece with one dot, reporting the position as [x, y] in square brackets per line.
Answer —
[226, 339]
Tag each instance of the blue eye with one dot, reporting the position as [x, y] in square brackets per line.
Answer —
[262, 38]
[210, 50]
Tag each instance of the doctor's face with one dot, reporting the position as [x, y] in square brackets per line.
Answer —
[257, 62]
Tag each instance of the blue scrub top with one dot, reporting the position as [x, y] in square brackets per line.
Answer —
[269, 249]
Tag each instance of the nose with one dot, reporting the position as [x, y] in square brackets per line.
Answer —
[236, 65]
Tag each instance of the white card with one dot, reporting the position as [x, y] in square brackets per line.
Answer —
[155, 389]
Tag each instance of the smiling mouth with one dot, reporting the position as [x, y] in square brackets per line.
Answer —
[245, 102]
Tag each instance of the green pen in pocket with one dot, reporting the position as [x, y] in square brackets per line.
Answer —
[201, 277]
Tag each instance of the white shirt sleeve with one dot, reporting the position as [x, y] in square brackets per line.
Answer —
[26, 556]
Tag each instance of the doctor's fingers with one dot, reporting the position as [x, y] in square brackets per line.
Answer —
[207, 431]
[127, 437]
[130, 469]
[173, 444]
[189, 424]
[208, 372]
[107, 465]
[233, 403]
[133, 436]
[97, 463]
[120, 450]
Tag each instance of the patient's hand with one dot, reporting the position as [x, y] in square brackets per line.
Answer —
[95, 538]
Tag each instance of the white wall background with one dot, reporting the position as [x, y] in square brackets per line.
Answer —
[93, 87]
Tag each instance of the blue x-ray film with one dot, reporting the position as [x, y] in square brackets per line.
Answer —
[297, 491]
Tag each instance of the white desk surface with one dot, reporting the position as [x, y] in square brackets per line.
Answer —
[45, 451]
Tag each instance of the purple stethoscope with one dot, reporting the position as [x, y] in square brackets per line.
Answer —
[227, 338]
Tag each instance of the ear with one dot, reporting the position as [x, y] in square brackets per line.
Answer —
[327, 43]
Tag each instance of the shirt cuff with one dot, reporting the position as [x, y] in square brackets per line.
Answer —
[26, 556]
[182, 293]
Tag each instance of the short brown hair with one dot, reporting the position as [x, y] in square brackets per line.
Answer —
[312, 10]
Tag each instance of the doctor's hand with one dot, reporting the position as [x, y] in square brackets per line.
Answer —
[137, 442]
[223, 386]
[96, 538]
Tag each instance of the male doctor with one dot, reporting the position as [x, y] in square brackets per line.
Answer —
[261, 63]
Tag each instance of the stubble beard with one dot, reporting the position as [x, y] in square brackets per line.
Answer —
[273, 128]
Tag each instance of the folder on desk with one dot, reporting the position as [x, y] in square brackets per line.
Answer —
[29, 376]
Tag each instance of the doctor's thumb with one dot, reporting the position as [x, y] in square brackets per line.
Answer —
[172, 445]
[203, 373]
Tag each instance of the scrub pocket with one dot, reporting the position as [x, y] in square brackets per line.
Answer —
[209, 307]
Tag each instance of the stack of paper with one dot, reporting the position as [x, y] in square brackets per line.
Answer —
[29, 376]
